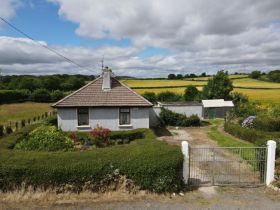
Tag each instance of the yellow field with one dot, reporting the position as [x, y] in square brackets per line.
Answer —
[245, 82]
[263, 96]
[248, 82]
[19, 111]
[230, 76]
[161, 83]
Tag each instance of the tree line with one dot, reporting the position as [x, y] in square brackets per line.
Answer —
[15, 88]
[272, 76]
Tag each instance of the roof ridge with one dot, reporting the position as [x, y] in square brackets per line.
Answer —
[61, 100]
[134, 92]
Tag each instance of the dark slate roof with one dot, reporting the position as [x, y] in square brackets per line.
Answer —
[93, 95]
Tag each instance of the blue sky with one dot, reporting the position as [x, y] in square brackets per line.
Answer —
[141, 38]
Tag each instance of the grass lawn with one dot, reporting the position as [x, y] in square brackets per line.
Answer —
[225, 140]
[19, 111]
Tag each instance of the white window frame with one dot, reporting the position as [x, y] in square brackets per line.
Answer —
[78, 116]
[129, 124]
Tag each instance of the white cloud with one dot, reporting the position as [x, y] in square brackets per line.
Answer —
[201, 36]
[7, 8]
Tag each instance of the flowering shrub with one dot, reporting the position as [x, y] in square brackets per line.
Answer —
[46, 138]
[101, 136]
[73, 136]
[248, 122]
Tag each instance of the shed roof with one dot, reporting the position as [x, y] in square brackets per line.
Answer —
[217, 103]
[92, 95]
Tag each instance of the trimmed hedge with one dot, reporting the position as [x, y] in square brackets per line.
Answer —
[175, 119]
[267, 124]
[151, 164]
[254, 136]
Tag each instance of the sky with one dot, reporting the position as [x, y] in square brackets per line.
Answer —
[147, 38]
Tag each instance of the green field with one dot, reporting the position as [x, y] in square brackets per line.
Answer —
[19, 111]
[264, 92]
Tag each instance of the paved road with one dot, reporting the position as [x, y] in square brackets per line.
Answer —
[204, 198]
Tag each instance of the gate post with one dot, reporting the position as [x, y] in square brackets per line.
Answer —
[270, 164]
[185, 151]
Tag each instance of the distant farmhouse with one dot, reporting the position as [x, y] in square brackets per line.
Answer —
[109, 103]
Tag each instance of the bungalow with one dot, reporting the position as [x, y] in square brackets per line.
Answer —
[103, 102]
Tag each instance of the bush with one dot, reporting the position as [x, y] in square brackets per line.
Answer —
[267, 124]
[1, 130]
[9, 141]
[11, 96]
[175, 119]
[45, 138]
[150, 96]
[57, 95]
[191, 93]
[100, 136]
[254, 136]
[168, 96]
[41, 95]
[51, 121]
[151, 164]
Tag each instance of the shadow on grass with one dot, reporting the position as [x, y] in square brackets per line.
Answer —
[161, 131]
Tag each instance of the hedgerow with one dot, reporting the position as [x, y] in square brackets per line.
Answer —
[151, 164]
[257, 137]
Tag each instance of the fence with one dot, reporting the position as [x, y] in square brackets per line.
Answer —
[16, 125]
[229, 165]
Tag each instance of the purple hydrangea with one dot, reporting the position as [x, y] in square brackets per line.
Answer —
[248, 122]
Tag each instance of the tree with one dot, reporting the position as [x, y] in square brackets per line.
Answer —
[171, 76]
[150, 96]
[203, 74]
[179, 76]
[41, 95]
[239, 98]
[274, 76]
[168, 96]
[219, 87]
[255, 74]
[51, 83]
[191, 93]
[57, 95]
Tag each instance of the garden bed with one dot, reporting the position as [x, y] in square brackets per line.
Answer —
[148, 163]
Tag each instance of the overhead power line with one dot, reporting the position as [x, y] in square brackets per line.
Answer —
[42, 45]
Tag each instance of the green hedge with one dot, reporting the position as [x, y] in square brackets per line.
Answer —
[269, 124]
[175, 119]
[10, 96]
[151, 164]
[254, 136]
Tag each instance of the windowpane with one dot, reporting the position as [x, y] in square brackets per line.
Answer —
[124, 116]
[83, 117]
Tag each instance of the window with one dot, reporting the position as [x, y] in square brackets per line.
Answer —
[124, 116]
[83, 118]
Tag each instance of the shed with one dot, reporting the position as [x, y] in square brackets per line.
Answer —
[216, 108]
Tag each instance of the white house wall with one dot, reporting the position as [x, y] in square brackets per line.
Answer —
[67, 118]
[105, 117]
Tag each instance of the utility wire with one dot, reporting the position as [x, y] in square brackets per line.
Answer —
[44, 46]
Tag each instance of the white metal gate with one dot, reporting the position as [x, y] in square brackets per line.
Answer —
[227, 165]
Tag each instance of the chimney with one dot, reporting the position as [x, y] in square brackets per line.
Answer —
[106, 74]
